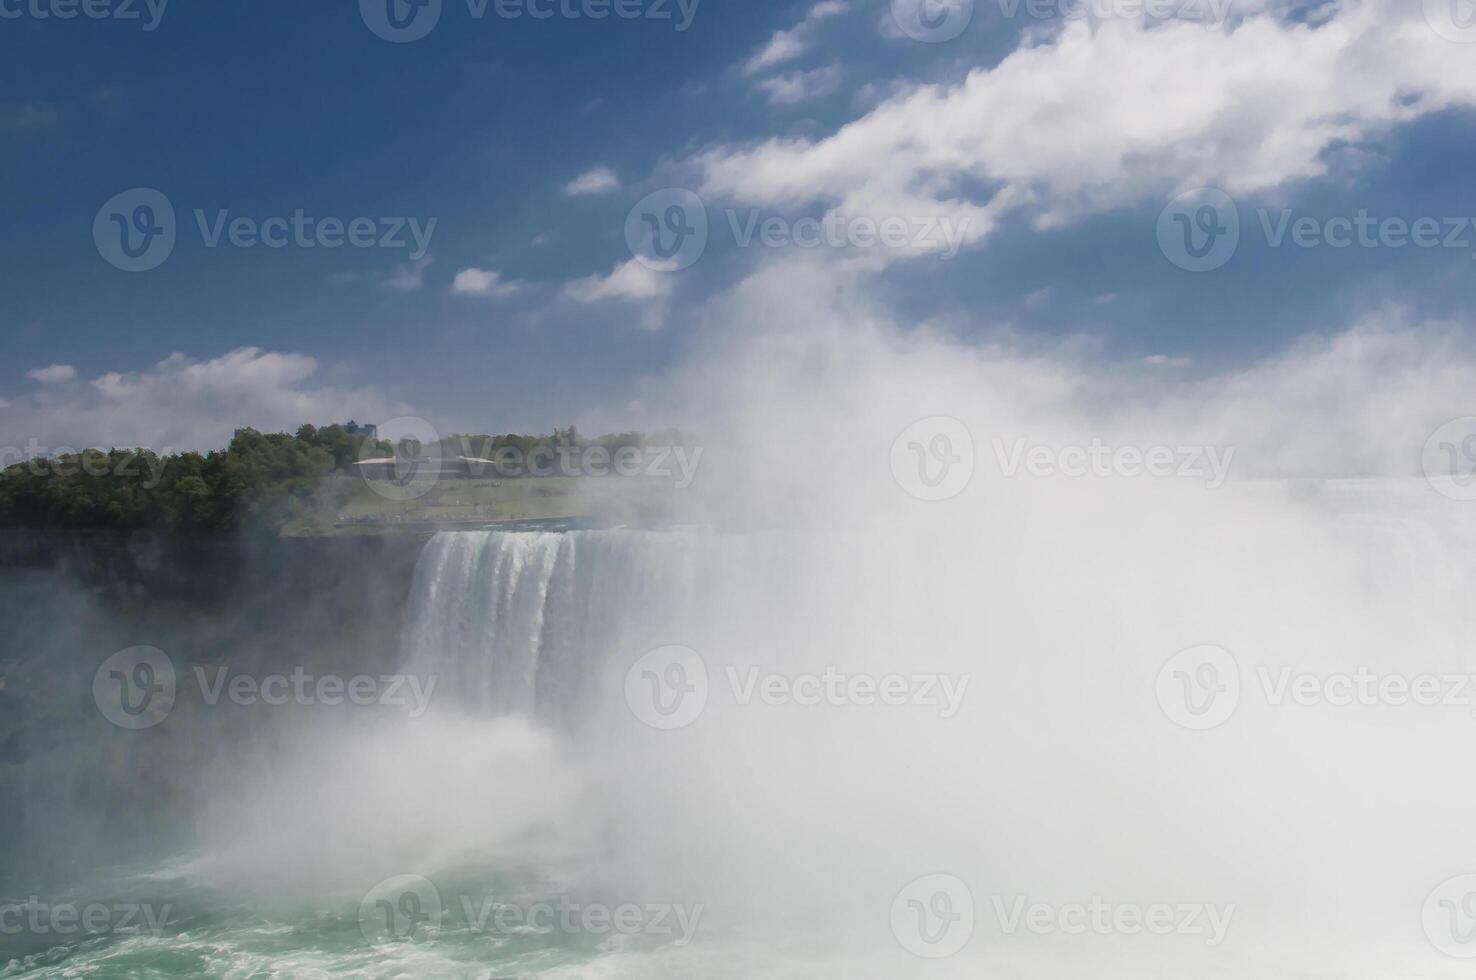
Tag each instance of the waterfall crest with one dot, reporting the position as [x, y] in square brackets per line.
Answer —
[531, 622]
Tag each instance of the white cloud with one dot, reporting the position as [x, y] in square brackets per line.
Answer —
[1114, 113]
[789, 44]
[408, 277]
[1360, 402]
[1036, 299]
[597, 180]
[631, 281]
[801, 86]
[487, 283]
[780, 48]
[182, 402]
[54, 374]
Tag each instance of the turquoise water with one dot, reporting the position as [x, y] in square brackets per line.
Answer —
[256, 841]
[306, 842]
[168, 922]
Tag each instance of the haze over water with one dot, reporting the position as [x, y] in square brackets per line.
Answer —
[1074, 768]
[994, 489]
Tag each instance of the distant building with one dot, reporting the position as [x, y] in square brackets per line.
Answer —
[406, 470]
[367, 431]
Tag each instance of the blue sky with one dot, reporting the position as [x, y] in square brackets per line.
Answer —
[769, 109]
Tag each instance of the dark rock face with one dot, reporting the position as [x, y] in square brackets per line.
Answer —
[248, 605]
[213, 569]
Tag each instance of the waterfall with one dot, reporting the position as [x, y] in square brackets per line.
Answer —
[477, 614]
[531, 623]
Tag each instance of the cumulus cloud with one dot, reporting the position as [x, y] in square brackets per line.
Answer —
[1248, 108]
[803, 345]
[185, 403]
[786, 45]
[632, 281]
[597, 180]
[487, 283]
[801, 86]
[54, 374]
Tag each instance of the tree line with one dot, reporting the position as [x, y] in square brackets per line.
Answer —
[259, 479]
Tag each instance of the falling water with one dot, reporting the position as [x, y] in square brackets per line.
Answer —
[532, 623]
